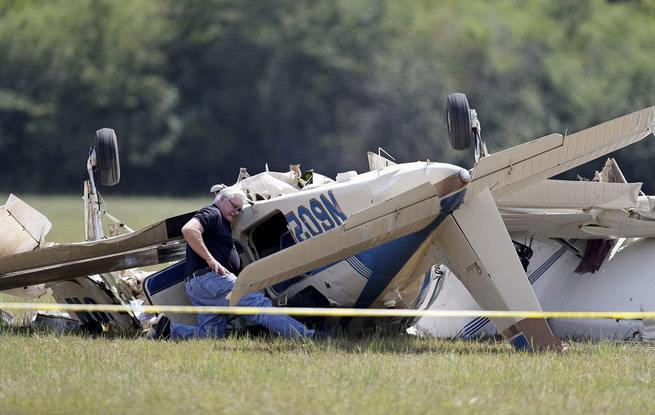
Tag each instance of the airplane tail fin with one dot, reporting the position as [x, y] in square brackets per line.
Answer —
[475, 245]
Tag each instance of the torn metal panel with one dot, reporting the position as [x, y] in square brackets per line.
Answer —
[56, 322]
[268, 185]
[620, 224]
[91, 290]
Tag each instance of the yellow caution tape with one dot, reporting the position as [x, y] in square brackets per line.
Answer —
[330, 312]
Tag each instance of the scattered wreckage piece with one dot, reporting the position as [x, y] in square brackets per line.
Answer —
[83, 272]
[155, 244]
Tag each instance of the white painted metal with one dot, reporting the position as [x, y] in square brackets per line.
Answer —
[626, 282]
[474, 243]
[520, 166]
[21, 226]
[567, 194]
[22, 229]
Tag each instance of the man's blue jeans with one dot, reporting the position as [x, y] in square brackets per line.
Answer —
[211, 289]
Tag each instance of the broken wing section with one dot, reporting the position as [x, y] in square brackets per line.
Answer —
[566, 209]
[475, 245]
[520, 166]
[152, 245]
[21, 226]
[580, 210]
[393, 218]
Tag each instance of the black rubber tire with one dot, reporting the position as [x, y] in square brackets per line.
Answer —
[458, 120]
[108, 169]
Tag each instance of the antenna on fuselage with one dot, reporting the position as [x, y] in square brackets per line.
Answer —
[381, 150]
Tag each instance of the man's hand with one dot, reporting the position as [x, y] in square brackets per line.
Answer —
[216, 266]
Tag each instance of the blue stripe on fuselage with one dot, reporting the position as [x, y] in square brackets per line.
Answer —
[386, 260]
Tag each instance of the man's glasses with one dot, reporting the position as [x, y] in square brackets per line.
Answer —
[237, 209]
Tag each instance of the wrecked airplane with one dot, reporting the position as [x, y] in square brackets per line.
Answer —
[369, 240]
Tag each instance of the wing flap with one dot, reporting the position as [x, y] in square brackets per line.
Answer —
[549, 224]
[567, 194]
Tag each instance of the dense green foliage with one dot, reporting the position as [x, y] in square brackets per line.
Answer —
[196, 89]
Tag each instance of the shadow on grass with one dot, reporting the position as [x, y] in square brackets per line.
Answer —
[401, 344]
[85, 331]
[261, 342]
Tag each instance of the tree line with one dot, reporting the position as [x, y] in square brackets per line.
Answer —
[196, 89]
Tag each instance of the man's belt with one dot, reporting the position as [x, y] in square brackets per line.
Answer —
[201, 271]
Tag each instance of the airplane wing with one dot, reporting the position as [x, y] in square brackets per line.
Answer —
[393, 218]
[565, 208]
[596, 224]
[149, 246]
[578, 209]
[520, 166]
[570, 194]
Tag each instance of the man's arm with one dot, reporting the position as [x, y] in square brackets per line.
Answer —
[192, 232]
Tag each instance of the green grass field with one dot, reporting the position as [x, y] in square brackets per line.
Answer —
[42, 372]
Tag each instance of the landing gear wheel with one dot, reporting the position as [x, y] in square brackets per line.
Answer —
[108, 165]
[458, 120]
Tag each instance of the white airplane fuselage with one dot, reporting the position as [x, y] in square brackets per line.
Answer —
[624, 282]
[367, 279]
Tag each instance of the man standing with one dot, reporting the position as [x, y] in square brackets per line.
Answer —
[211, 265]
